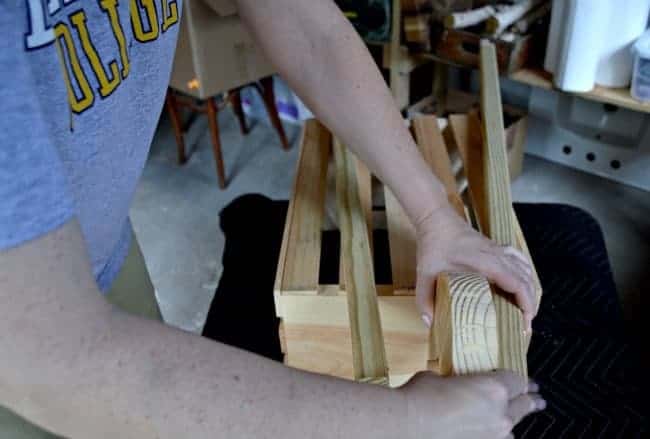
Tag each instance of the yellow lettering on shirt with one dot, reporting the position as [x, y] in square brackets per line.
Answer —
[110, 7]
[170, 14]
[106, 84]
[139, 26]
[77, 104]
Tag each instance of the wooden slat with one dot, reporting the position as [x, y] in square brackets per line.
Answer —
[434, 150]
[401, 242]
[512, 350]
[302, 242]
[319, 325]
[364, 178]
[467, 138]
[466, 133]
[523, 247]
[369, 356]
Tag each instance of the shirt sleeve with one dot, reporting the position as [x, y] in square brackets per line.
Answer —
[33, 195]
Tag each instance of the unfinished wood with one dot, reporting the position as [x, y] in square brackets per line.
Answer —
[336, 290]
[369, 356]
[401, 242]
[364, 178]
[322, 349]
[496, 183]
[417, 30]
[405, 337]
[434, 151]
[303, 239]
[465, 324]
[466, 134]
[279, 274]
[523, 247]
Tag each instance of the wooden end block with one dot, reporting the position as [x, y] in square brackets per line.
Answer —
[465, 324]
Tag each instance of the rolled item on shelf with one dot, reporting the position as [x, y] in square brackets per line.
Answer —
[627, 21]
[459, 20]
[500, 21]
[583, 36]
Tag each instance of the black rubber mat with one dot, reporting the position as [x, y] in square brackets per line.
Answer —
[579, 353]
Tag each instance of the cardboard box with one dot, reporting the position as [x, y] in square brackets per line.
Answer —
[215, 53]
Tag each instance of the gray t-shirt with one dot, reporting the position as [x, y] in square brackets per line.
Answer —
[82, 84]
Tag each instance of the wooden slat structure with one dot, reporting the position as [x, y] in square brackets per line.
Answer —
[368, 354]
[496, 183]
[373, 333]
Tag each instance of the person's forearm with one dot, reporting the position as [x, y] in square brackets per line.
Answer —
[143, 380]
[74, 365]
[318, 52]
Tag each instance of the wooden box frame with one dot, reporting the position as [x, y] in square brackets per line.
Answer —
[373, 333]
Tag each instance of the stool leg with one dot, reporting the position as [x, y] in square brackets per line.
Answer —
[268, 96]
[172, 110]
[235, 101]
[216, 144]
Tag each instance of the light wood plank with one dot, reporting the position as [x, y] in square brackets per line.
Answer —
[364, 178]
[466, 134]
[405, 338]
[401, 241]
[434, 151]
[367, 338]
[322, 349]
[512, 350]
[303, 230]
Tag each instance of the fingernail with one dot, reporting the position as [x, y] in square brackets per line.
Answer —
[533, 387]
[426, 318]
[540, 404]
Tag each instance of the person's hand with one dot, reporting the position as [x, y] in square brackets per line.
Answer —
[473, 407]
[447, 243]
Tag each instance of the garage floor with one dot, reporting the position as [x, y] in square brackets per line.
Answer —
[175, 212]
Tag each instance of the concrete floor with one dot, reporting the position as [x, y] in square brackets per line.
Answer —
[175, 211]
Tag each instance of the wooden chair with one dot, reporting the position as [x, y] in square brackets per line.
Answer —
[176, 100]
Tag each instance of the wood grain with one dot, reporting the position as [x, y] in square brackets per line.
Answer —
[364, 179]
[401, 241]
[319, 326]
[465, 324]
[368, 352]
[303, 231]
[512, 350]
[466, 133]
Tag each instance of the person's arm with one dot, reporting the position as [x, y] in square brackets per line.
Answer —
[80, 368]
[318, 52]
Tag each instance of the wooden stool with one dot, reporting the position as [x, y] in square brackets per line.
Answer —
[175, 100]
